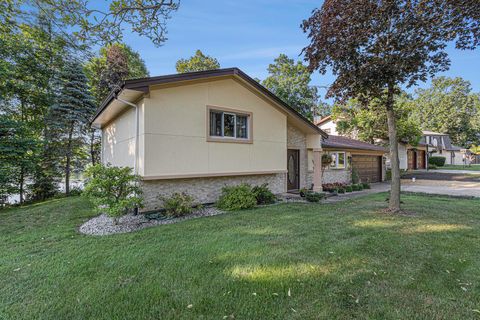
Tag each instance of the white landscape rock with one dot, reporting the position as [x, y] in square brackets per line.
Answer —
[104, 225]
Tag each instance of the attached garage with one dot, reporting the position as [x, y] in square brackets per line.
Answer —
[369, 168]
[365, 158]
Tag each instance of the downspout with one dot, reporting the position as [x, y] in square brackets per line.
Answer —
[135, 165]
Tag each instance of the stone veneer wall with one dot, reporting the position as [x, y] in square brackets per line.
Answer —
[297, 140]
[336, 175]
[205, 190]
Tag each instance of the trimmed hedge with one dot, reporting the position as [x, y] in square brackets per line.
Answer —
[437, 161]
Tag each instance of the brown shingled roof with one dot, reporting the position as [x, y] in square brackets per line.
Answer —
[347, 143]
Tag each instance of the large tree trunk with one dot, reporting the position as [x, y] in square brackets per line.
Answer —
[394, 203]
[92, 147]
[68, 160]
[22, 183]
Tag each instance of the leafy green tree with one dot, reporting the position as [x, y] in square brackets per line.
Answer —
[17, 149]
[369, 123]
[449, 106]
[115, 63]
[198, 62]
[113, 190]
[90, 23]
[375, 47]
[290, 81]
[71, 112]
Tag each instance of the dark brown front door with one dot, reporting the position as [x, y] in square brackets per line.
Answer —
[411, 160]
[293, 167]
[421, 159]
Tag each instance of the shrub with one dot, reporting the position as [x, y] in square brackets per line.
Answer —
[360, 187]
[178, 204]
[355, 177]
[303, 192]
[432, 166]
[76, 191]
[348, 188]
[314, 196]
[366, 185]
[113, 190]
[330, 187]
[341, 190]
[356, 187]
[263, 194]
[437, 160]
[237, 198]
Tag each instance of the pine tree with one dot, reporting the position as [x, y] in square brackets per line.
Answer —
[71, 113]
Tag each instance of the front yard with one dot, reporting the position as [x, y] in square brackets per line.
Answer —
[300, 261]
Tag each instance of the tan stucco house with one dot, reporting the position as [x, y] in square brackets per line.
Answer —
[199, 131]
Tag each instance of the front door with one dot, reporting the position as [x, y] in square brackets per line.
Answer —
[293, 167]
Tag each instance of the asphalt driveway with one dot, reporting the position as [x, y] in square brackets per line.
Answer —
[455, 184]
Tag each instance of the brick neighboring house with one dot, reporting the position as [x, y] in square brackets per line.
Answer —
[199, 131]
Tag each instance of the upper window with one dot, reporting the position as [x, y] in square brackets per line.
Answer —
[338, 160]
[229, 125]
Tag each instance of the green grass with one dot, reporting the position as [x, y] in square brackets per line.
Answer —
[338, 261]
[473, 167]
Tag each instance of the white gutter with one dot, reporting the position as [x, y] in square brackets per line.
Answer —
[135, 166]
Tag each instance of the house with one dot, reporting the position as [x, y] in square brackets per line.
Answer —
[411, 157]
[348, 155]
[441, 146]
[199, 131]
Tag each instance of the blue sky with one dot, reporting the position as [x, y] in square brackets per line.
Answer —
[250, 34]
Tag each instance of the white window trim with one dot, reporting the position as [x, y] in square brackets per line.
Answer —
[335, 165]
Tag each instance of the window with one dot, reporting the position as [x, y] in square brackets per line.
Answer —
[338, 160]
[229, 125]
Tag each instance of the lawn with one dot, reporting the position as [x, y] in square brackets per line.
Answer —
[296, 261]
[473, 167]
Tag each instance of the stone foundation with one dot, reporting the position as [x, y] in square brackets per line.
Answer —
[335, 175]
[205, 190]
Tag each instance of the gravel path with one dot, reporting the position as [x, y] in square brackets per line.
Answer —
[103, 224]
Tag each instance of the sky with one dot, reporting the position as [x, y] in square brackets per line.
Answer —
[250, 35]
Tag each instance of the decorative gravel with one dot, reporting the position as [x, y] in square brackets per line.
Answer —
[103, 225]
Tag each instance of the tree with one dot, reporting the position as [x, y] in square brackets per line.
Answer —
[290, 82]
[72, 112]
[449, 106]
[198, 62]
[17, 149]
[90, 23]
[369, 122]
[374, 47]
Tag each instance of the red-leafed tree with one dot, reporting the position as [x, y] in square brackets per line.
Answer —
[375, 47]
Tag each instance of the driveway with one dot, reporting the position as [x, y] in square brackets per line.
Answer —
[449, 183]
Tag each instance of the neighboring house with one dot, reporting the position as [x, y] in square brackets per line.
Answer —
[199, 131]
[414, 157]
[441, 145]
[347, 154]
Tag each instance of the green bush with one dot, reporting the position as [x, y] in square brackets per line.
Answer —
[113, 190]
[341, 190]
[237, 198]
[178, 204]
[314, 196]
[432, 166]
[355, 177]
[263, 194]
[76, 191]
[348, 188]
[360, 187]
[366, 185]
[437, 160]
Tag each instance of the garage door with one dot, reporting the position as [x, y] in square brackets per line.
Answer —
[369, 168]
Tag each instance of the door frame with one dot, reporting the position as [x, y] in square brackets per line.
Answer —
[297, 169]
